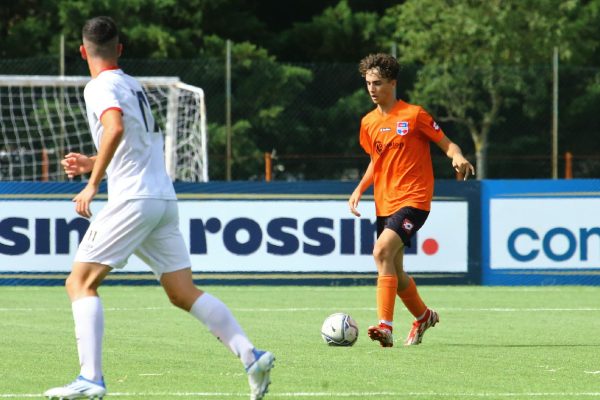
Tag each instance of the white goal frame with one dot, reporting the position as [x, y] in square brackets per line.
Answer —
[185, 129]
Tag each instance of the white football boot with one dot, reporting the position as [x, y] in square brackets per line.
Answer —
[259, 373]
[381, 333]
[415, 336]
[80, 388]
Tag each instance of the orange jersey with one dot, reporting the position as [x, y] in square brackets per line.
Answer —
[398, 144]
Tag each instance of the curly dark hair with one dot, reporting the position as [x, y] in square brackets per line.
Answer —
[386, 64]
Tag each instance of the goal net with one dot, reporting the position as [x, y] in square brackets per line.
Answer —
[42, 118]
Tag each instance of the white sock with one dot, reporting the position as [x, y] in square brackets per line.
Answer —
[89, 329]
[213, 313]
[386, 322]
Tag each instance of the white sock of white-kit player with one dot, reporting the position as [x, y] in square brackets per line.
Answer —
[88, 316]
[213, 313]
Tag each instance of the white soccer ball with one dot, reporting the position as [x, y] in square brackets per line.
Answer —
[339, 329]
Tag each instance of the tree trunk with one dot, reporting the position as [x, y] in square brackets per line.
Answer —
[480, 142]
[481, 160]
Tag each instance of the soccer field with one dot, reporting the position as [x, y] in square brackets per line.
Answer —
[491, 343]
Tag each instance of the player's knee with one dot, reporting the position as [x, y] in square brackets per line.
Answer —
[77, 287]
[70, 284]
[381, 253]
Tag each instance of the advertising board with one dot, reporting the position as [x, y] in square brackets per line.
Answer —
[542, 233]
[243, 235]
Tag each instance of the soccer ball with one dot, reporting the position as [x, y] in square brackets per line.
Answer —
[339, 329]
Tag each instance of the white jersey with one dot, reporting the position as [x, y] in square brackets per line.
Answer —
[137, 169]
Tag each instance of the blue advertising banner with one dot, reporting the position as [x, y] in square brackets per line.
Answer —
[541, 232]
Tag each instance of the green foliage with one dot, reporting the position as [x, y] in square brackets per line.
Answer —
[338, 34]
[481, 67]
[263, 93]
[149, 28]
[478, 57]
[24, 27]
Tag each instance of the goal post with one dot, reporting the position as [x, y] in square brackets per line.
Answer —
[43, 117]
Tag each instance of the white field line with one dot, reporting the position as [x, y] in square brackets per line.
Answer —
[311, 309]
[334, 394]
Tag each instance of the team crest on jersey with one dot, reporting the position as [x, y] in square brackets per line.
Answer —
[435, 125]
[402, 128]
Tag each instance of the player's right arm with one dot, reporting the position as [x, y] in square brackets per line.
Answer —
[112, 123]
[365, 182]
[77, 164]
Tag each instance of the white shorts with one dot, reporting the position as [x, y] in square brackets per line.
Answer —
[148, 228]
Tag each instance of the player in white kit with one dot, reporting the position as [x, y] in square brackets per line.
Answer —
[140, 217]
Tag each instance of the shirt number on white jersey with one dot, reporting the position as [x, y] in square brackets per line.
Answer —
[145, 108]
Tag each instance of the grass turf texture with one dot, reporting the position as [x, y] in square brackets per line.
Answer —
[491, 342]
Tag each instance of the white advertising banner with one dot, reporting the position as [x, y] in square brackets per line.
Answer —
[265, 235]
[544, 233]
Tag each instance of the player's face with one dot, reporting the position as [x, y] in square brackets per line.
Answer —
[381, 90]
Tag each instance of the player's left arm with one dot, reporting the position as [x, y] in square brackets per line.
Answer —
[459, 162]
[112, 122]
[77, 164]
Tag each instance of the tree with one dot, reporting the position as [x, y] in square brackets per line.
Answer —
[24, 27]
[478, 57]
[264, 92]
[338, 35]
[149, 28]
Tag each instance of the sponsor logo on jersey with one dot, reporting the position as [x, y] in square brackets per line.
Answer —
[435, 125]
[380, 147]
[386, 129]
[402, 128]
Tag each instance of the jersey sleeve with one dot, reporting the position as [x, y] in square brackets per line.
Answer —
[101, 97]
[428, 127]
[364, 138]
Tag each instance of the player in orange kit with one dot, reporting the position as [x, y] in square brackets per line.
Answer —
[396, 136]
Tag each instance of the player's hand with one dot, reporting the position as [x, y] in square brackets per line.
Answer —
[353, 202]
[76, 164]
[84, 199]
[462, 166]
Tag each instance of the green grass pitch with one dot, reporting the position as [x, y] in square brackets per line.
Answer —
[491, 343]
